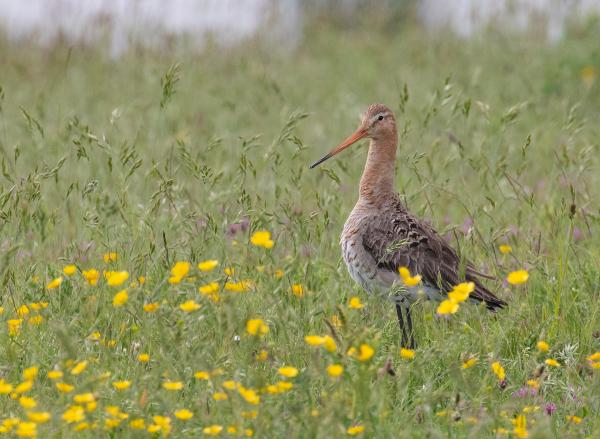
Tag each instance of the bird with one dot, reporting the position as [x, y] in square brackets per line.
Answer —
[381, 237]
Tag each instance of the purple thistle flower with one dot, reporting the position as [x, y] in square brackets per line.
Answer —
[550, 408]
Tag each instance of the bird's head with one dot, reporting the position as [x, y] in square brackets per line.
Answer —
[378, 122]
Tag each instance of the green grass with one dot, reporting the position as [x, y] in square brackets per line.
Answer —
[155, 156]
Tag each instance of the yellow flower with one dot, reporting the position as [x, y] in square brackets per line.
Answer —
[183, 414]
[355, 303]
[505, 249]
[355, 430]
[110, 257]
[69, 270]
[533, 384]
[407, 354]
[74, 413]
[314, 340]
[461, 292]
[208, 265]
[447, 306]
[179, 271]
[288, 371]
[26, 429]
[249, 395]
[35, 320]
[552, 362]
[138, 424]
[278, 274]
[209, 288]
[574, 419]
[79, 367]
[520, 427]
[116, 278]
[92, 275]
[470, 363]
[284, 386]
[202, 375]
[517, 277]
[212, 430]
[262, 238]
[329, 343]
[55, 283]
[151, 307]
[5, 387]
[365, 352]
[121, 385]
[30, 373]
[498, 370]
[256, 327]
[172, 385]
[38, 417]
[335, 370]
[83, 398]
[543, 346]
[120, 298]
[24, 387]
[219, 396]
[64, 387]
[14, 326]
[27, 402]
[298, 290]
[262, 355]
[594, 357]
[238, 287]
[189, 306]
[143, 358]
[407, 279]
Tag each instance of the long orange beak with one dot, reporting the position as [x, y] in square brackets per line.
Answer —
[359, 134]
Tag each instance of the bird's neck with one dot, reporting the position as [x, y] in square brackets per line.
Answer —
[378, 176]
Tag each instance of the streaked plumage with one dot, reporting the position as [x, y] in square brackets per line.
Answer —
[380, 235]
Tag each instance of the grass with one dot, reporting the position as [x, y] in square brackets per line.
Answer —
[181, 157]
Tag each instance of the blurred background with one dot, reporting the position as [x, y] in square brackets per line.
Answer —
[121, 24]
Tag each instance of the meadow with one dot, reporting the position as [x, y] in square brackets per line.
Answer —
[138, 300]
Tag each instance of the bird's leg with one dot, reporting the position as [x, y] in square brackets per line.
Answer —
[411, 343]
[401, 322]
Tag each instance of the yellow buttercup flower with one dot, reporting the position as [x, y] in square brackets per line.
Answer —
[220, 396]
[335, 370]
[256, 327]
[151, 307]
[517, 277]
[447, 306]
[116, 278]
[355, 303]
[64, 387]
[505, 249]
[209, 288]
[314, 340]
[74, 413]
[54, 374]
[172, 385]
[189, 306]
[92, 276]
[212, 430]
[30, 373]
[288, 371]
[574, 419]
[470, 363]
[24, 387]
[407, 279]
[543, 346]
[498, 370]
[355, 430]
[110, 257]
[208, 265]
[38, 417]
[183, 414]
[407, 354]
[69, 270]
[262, 238]
[594, 357]
[83, 398]
[249, 395]
[26, 429]
[179, 271]
[552, 362]
[55, 283]
[202, 375]
[121, 385]
[143, 358]
[138, 424]
[461, 292]
[27, 402]
[365, 352]
[298, 290]
[14, 326]
[120, 298]
[238, 287]
[520, 427]
[79, 367]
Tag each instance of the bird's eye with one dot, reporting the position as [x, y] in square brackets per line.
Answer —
[380, 118]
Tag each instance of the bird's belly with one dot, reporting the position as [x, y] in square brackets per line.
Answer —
[364, 271]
